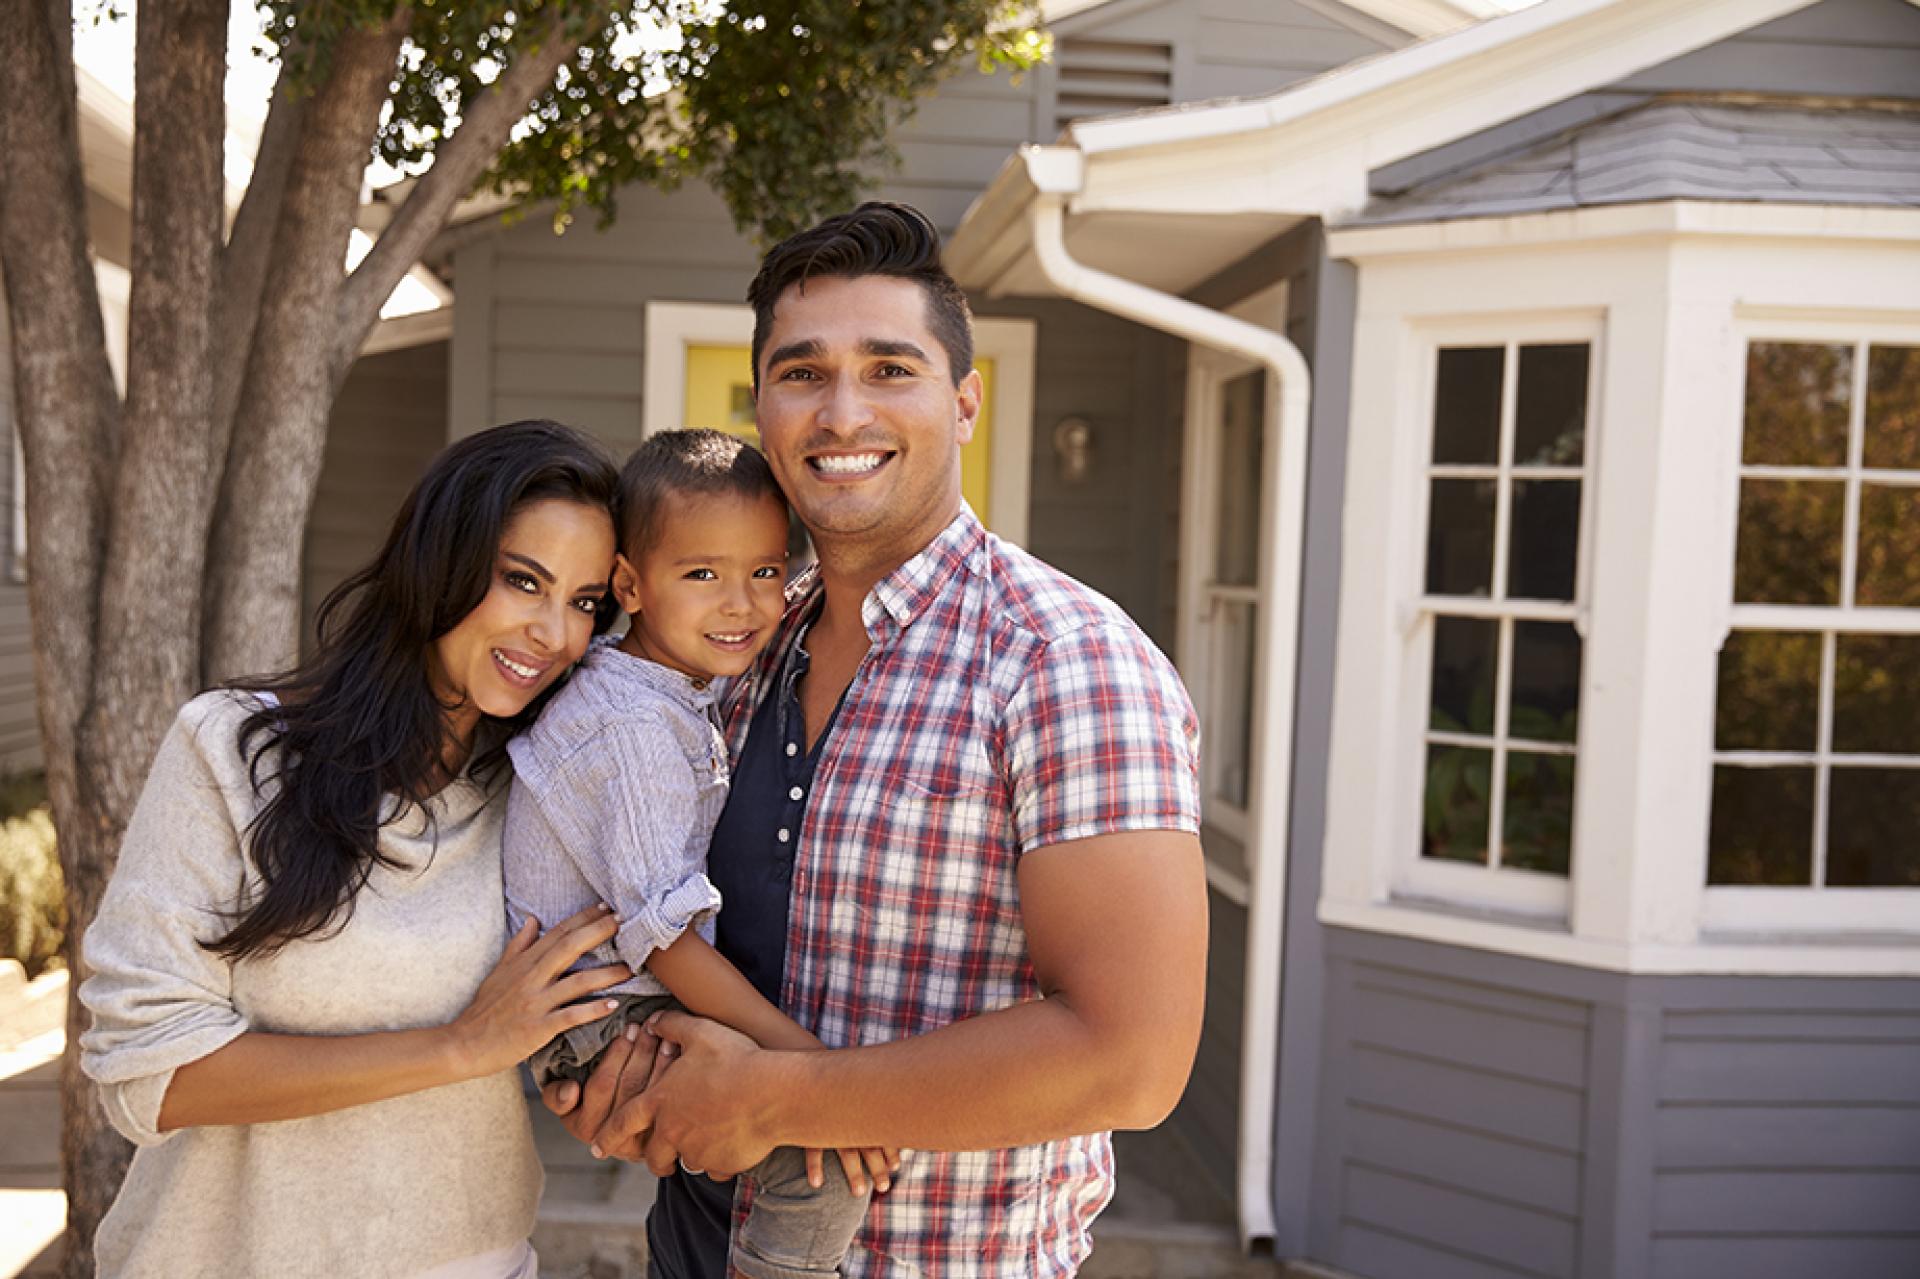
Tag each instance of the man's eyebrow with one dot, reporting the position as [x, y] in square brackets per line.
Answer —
[534, 566]
[806, 349]
[883, 346]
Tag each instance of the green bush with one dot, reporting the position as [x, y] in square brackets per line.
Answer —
[33, 902]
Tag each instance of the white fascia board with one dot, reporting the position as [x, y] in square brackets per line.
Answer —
[996, 231]
[1400, 104]
[1628, 221]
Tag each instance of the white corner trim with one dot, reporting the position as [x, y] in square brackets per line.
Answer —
[672, 327]
[1753, 954]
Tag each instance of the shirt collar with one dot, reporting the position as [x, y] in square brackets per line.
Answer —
[604, 655]
[904, 594]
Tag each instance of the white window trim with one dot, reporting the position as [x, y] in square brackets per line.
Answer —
[1208, 372]
[672, 327]
[1752, 909]
[1525, 894]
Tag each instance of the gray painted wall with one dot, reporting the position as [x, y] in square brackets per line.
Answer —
[1484, 1117]
[389, 421]
[1842, 48]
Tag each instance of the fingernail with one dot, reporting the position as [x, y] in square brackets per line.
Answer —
[612, 1004]
[632, 1033]
[597, 1152]
[882, 1186]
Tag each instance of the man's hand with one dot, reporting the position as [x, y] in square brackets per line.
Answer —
[705, 1116]
[629, 1065]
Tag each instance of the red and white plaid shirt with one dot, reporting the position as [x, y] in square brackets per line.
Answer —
[1001, 707]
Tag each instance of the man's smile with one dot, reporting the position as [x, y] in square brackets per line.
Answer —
[849, 465]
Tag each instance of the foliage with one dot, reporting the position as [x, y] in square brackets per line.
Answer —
[784, 106]
[33, 910]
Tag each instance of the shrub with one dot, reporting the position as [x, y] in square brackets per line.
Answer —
[33, 902]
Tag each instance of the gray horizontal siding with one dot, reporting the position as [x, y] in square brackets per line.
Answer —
[387, 424]
[1843, 48]
[1787, 1139]
[19, 719]
[1453, 1125]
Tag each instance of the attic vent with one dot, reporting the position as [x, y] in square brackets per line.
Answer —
[1100, 77]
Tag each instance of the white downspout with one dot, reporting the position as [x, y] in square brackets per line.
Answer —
[1281, 532]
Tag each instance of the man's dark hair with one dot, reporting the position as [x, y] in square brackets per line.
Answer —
[878, 238]
[711, 463]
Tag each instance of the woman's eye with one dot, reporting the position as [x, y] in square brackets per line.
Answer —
[588, 604]
[522, 581]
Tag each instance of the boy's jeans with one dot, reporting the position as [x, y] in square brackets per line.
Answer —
[793, 1231]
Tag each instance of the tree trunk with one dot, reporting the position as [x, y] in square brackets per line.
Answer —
[252, 597]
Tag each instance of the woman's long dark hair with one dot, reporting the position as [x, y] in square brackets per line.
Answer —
[358, 723]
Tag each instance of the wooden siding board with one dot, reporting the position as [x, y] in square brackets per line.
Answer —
[1497, 1168]
[1890, 1257]
[1466, 1036]
[1848, 48]
[1793, 1071]
[1779, 1203]
[1495, 999]
[571, 327]
[614, 421]
[1461, 1096]
[1373, 1252]
[1507, 1234]
[568, 373]
[1273, 44]
[1822, 1025]
[1810, 1136]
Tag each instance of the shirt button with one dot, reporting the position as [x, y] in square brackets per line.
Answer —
[793, 748]
[795, 793]
[784, 835]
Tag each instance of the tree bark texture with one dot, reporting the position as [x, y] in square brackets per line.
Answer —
[293, 372]
[67, 412]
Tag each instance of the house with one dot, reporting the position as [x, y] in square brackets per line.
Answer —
[1559, 644]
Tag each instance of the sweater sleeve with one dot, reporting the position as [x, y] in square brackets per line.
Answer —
[159, 998]
[623, 807]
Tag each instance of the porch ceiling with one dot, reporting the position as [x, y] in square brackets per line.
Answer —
[1166, 251]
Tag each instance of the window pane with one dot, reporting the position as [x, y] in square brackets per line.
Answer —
[1789, 550]
[1873, 828]
[1458, 786]
[1546, 539]
[1762, 826]
[1769, 692]
[1550, 406]
[1466, 405]
[1797, 400]
[1893, 408]
[1537, 828]
[1888, 575]
[1545, 701]
[1460, 538]
[1876, 696]
[1463, 666]
[1236, 557]
[1230, 726]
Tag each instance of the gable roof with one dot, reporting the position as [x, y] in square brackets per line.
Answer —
[1687, 148]
[1305, 152]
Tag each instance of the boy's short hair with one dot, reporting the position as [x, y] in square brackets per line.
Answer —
[696, 461]
[878, 238]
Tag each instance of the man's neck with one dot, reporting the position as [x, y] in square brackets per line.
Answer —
[850, 570]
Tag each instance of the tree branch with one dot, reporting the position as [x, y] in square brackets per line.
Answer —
[457, 165]
[243, 263]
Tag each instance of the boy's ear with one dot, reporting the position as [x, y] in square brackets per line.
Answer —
[626, 584]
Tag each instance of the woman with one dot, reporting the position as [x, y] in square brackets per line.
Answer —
[302, 1012]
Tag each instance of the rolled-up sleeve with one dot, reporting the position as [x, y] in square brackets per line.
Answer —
[159, 998]
[624, 807]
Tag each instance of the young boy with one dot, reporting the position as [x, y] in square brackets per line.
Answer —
[618, 785]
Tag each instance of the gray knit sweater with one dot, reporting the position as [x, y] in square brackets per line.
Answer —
[390, 1188]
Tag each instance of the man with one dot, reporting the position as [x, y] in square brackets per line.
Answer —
[961, 841]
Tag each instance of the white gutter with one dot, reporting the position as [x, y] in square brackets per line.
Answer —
[1055, 173]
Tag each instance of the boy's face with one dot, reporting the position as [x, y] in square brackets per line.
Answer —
[705, 597]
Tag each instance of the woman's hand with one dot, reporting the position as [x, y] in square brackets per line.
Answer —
[525, 1001]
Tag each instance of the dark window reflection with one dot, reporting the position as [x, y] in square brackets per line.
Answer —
[1466, 406]
[1893, 408]
[1876, 697]
[1537, 827]
[1460, 538]
[1789, 542]
[1546, 682]
[1873, 828]
[1463, 669]
[1797, 400]
[1762, 831]
[1546, 539]
[1769, 697]
[1550, 406]
[1888, 573]
[1459, 790]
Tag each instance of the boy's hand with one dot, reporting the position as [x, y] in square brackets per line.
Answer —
[858, 1165]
